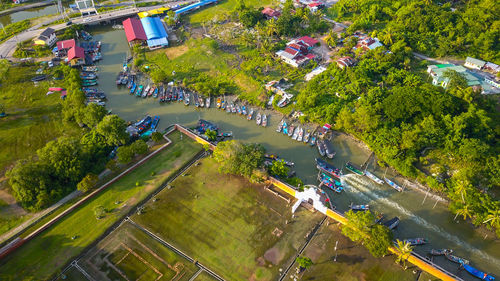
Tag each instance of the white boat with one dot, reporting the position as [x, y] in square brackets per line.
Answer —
[258, 119]
[280, 125]
[207, 103]
[393, 184]
[146, 91]
[296, 133]
[373, 177]
[307, 136]
[301, 135]
[264, 120]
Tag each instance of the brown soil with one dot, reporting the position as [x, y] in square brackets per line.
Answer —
[13, 209]
[273, 255]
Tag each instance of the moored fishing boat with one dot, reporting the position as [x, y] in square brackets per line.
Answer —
[373, 177]
[186, 98]
[238, 109]
[138, 93]
[244, 110]
[181, 95]
[151, 91]
[155, 122]
[146, 91]
[359, 207]
[223, 104]
[330, 152]
[233, 108]
[155, 93]
[440, 252]
[219, 103]
[307, 136]
[264, 120]
[321, 148]
[280, 125]
[301, 135]
[477, 273]
[393, 184]
[201, 101]
[250, 114]
[296, 133]
[392, 223]
[207, 103]
[330, 182]
[285, 128]
[313, 140]
[328, 168]
[132, 89]
[258, 119]
[90, 68]
[416, 241]
[291, 130]
[353, 168]
[456, 259]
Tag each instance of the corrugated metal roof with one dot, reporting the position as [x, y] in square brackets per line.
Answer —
[134, 30]
[153, 27]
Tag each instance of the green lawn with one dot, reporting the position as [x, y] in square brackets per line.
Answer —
[41, 257]
[235, 228]
[354, 262]
[204, 277]
[223, 7]
[137, 255]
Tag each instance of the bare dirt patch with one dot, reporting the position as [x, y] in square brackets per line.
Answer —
[273, 255]
[175, 52]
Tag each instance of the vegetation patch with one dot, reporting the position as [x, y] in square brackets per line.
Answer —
[42, 256]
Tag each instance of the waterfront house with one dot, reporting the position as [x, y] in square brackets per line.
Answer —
[62, 47]
[315, 6]
[76, 56]
[134, 31]
[488, 84]
[46, 38]
[297, 52]
[491, 67]
[346, 61]
[367, 43]
[270, 13]
[474, 63]
[155, 32]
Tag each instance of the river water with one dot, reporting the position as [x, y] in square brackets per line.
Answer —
[28, 14]
[419, 218]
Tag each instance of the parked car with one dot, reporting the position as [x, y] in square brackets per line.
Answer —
[69, 23]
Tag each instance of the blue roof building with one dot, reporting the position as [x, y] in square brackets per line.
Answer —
[155, 32]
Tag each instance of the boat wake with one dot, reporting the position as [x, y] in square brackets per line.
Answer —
[360, 186]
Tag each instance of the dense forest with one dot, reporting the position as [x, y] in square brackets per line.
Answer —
[435, 28]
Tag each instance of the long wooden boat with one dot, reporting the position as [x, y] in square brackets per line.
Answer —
[280, 125]
[207, 102]
[359, 207]
[301, 135]
[258, 119]
[416, 241]
[477, 273]
[264, 120]
[353, 168]
[186, 99]
[392, 223]
[291, 130]
[330, 182]
[456, 259]
[321, 148]
[440, 252]
[219, 103]
[393, 184]
[307, 136]
[244, 110]
[373, 177]
[285, 128]
[296, 133]
[250, 114]
[330, 152]
[327, 168]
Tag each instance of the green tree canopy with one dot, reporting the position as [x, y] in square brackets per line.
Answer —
[113, 128]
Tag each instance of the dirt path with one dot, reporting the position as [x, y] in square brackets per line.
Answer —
[13, 209]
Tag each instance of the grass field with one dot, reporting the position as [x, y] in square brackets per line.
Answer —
[204, 277]
[41, 257]
[353, 263]
[129, 253]
[235, 228]
[223, 7]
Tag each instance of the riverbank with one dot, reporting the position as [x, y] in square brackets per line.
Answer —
[22, 7]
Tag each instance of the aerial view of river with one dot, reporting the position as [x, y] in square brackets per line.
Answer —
[28, 14]
[420, 216]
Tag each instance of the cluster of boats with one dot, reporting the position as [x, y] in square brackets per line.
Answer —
[463, 263]
[93, 95]
[261, 119]
[89, 76]
[92, 49]
[145, 126]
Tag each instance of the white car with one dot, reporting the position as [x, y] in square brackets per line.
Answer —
[87, 20]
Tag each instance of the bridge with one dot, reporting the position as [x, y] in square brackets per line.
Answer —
[8, 47]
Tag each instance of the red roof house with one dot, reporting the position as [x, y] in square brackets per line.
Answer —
[134, 30]
[76, 55]
[270, 13]
[310, 42]
[66, 44]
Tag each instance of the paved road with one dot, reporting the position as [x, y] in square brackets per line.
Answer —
[8, 47]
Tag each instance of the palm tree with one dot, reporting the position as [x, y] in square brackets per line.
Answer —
[331, 39]
[465, 211]
[404, 250]
[493, 217]
[272, 27]
[462, 188]
[388, 35]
